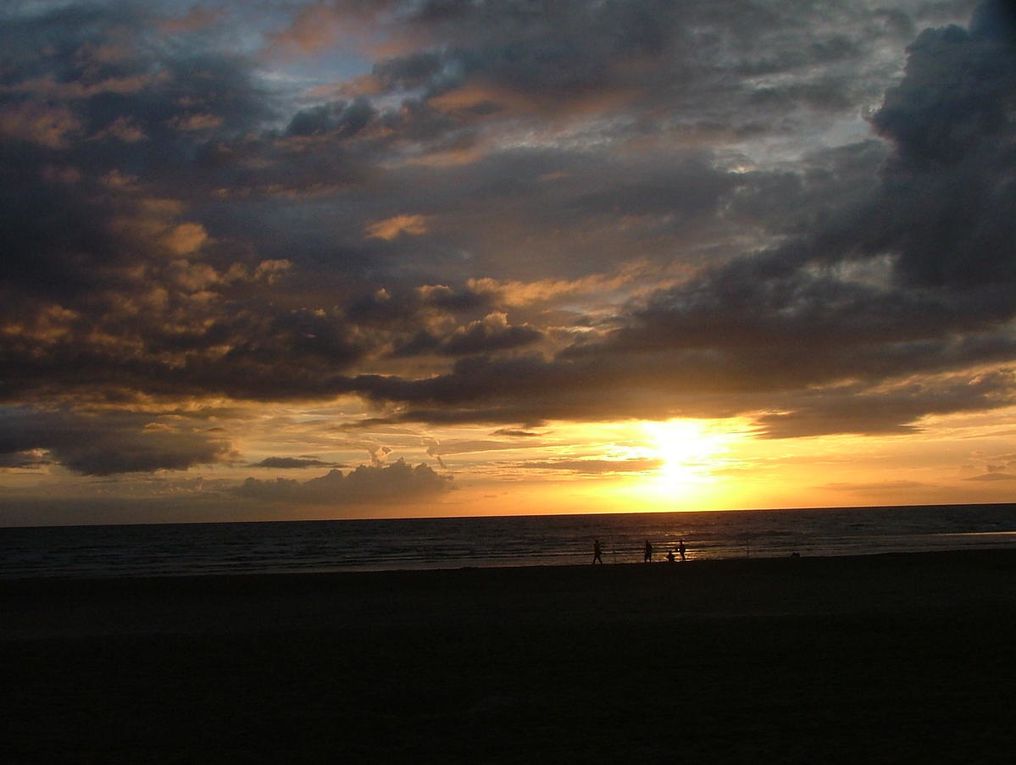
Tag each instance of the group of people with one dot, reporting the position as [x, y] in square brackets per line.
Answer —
[648, 552]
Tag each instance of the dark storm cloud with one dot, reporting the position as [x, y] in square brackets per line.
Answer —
[27, 459]
[917, 275]
[107, 443]
[114, 276]
[175, 227]
[343, 119]
[201, 352]
[488, 335]
[799, 200]
[125, 265]
[733, 67]
[390, 483]
[179, 121]
[406, 308]
[948, 200]
[707, 383]
[560, 49]
[940, 221]
[859, 410]
[689, 187]
[411, 72]
[535, 213]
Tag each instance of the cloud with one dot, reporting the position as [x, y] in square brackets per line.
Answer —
[314, 27]
[25, 459]
[993, 476]
[913, 277]
[292, 463]
[197, 121]
[877, 487]
[471, 446]
[338, 120]
[396, 482]
[594, 466]
[487, 335]
[197, 18]
[889, 410]
[615, 204]
[122, 129]
[106, 443]
[399, 225]
[49, 126]
[683, 70]
[186, 238]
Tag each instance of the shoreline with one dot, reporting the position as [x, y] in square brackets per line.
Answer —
[631, 559]
[364, 571]
[74, 606]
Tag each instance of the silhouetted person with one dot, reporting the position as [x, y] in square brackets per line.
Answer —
[670, 556]
[680, 549]
[597, 552]
[648, 557]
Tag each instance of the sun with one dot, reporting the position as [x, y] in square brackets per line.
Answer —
[688, 450]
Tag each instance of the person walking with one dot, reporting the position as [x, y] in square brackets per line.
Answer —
[648, 557]
[681, 549]
[597, 552]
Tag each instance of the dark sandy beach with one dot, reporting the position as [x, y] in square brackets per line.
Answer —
[873, 659]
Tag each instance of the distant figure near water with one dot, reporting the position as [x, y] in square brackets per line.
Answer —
[597, 552]
[670, 556]
[681, 549]
[648, 557]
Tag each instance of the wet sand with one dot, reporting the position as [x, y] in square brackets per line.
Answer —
[886, 658]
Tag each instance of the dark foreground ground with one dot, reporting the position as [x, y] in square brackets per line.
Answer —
[876, 659]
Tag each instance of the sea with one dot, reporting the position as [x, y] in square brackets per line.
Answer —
[549, 540]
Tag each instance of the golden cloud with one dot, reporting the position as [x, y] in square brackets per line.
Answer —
[394, 227]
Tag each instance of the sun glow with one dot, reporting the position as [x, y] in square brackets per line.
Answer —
[689, 451]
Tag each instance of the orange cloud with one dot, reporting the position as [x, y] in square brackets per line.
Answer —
[520, 293]
[123, 129]
[394, 227]
[477, 99]
[194, 122]
[49, 87]
[40, 124]
[186, 238]
[474, 96]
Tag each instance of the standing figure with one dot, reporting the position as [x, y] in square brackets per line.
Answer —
[648, 557]
[597, 552]
[680, 549]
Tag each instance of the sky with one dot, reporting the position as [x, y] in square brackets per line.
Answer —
[278, 259]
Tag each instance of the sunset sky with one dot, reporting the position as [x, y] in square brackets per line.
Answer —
[365, 258]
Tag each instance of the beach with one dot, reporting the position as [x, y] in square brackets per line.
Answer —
[881, 658]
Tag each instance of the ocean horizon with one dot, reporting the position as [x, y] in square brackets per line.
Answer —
[278, 547]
